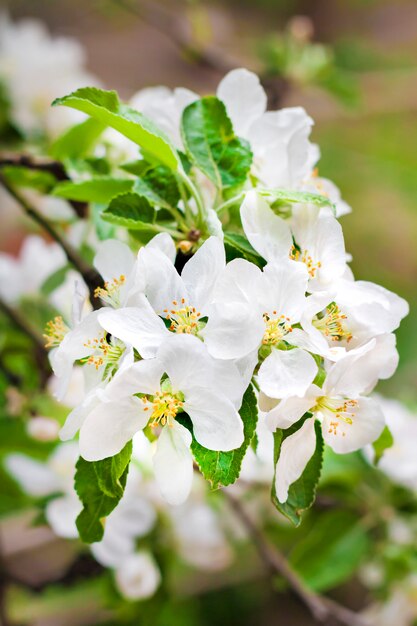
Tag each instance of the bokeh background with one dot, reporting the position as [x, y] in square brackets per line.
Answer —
[353, 65]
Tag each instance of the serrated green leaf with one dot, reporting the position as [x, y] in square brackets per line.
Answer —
[78, 141]
[384, 442]
[132, 211]
[106, 107]
[302, 493]
[100, 189]
[97, 504]
[223, 468]
[110, 471]
[337, 540]
[212, 144]
[237, 246]
[288, 196]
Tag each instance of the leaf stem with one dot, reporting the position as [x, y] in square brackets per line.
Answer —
[89, 274]
[225, 205]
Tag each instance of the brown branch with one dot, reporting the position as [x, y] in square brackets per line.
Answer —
[89, 274]
[55, 168]
[323, 609]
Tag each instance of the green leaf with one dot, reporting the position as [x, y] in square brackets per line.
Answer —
[20, 176]
[331, 551]
[132, 211]
[110, 472]
[212, 144]
[94, 487]
[223, 468]
[384, 441]
[100, 189]
[54, 280]
[106, 107]
[237, 246]
[287, 196]
[302, 493]
[78, 141]
[159, 186]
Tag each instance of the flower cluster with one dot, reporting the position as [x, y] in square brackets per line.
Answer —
[265, 300]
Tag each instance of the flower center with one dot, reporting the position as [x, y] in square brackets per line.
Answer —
[276, 327]
[340, 410]
[183, 318]
[304, 257]
[333, 324]
[110, 293]
[104, 352]
[55, 331]
[164, 406]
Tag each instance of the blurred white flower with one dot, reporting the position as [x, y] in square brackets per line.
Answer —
[138, 576]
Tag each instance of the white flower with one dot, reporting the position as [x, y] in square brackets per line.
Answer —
[349, 420]
[43, 479]
[25, 275]
[183, 300]
[254, 309]
[400, 461]
[208, 391]
[37, 68]
[86, 341]
[283, 154]
[325, 187]
[318, 238]
[138, 576]
[43, 428]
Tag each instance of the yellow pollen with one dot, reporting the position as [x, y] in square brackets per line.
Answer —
[275, 328]
[333, 324]
[102, 352]
[165, 406]
[55, 331]
[341, 411]
[183, 319]
[110, 292]
[304, 257]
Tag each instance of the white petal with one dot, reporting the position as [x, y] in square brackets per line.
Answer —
[141, 377]
[217, 424]
[140, 327]
[173, 463]
[296, 451]
[244, 98]
[285, 284]
[61, 514]
[233, 330]
[367, 424]
[186, 361]
[163, 283]
[239, 282]
[350, 376]
[165, 244]
[201, 272]
[113, 259]
[287, 373]
[138, 576]
[110, 426]
[289, 411]
[268, 233]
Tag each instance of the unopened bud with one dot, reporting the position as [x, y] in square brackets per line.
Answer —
[43, 428]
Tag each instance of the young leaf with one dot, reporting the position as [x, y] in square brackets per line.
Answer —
[159, 186]
[110, 471]
[78, 140]
[212, 145]
[106, 107]
[288, 196]
[132, 211]
[223, 468]
[384, 441]
[237, 246]
[97, 503]
[21, 176]
[302, 493]
[337, 539]
[100, 189]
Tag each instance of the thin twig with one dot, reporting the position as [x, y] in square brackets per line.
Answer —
[40, 352]
[89, 274]
[323, 609]
[55, 168]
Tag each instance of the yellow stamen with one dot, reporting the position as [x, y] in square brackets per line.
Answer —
[55, 331]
